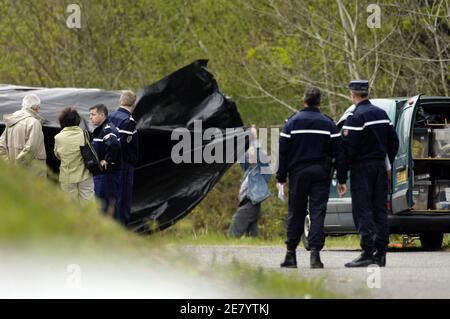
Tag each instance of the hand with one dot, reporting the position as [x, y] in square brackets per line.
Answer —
[254, 132]
[342, 189]
[104, 164]
[280, 186]
[251, 155]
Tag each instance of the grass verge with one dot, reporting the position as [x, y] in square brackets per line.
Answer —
[37, 219]
[182, 233]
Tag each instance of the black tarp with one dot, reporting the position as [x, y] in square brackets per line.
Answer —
[164, 191]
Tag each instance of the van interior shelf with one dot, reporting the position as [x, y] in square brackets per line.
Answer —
[438, 124]
[430, 148]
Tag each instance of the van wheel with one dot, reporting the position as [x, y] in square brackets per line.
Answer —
[431, 241]
[306, 233]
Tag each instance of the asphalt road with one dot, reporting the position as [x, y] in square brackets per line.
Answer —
[409, 273]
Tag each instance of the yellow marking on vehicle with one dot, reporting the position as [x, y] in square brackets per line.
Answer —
[402, 176]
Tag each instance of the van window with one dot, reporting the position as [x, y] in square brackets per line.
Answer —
[403, 129]
[387, 105]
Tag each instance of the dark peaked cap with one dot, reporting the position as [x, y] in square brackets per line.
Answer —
[359, 85]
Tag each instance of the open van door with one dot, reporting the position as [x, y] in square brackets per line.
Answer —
[402, 171]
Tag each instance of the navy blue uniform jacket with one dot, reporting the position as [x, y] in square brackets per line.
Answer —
[309, 137]
[106, 144]
[128, 134]
[369, 135]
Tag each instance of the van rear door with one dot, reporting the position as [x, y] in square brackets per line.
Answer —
[402, 168]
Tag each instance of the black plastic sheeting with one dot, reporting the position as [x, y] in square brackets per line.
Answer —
[164, 191]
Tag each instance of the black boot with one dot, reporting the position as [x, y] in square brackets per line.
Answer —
[290, 261]
[364, 260]
[315, 259]
[380, 259]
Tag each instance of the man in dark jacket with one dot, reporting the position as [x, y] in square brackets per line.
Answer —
[106, 143]
[307, 143]
[128, 135]
[369, 136]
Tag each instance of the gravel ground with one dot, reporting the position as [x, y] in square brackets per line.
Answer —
[408, 274]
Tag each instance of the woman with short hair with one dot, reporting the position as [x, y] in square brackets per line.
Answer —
[74, 177]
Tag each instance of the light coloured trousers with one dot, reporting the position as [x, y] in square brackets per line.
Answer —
[82, 191]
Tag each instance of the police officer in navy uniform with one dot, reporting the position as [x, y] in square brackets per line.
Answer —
[308, 141]
[106, 143]
[368, 136]
[126, 125]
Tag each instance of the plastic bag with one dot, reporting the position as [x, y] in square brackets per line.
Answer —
[257, 186]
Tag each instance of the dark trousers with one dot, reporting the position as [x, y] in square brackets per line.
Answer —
[107, 189]
[126, 192]
[310, 184]
[369, 205]
[245, 220]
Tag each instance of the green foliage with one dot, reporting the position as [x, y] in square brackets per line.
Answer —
[213, 215]
[258, 50]
[271, 284]
[35, 210]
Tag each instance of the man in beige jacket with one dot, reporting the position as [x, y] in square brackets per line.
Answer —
[22, 141]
